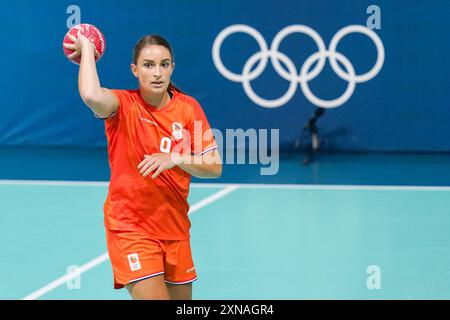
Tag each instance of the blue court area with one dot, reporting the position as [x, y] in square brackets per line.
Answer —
[329, 230]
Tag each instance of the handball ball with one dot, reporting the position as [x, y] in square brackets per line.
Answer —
[92, 33]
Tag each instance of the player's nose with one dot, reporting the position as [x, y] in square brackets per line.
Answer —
[157, 72]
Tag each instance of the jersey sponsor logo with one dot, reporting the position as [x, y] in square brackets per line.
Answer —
[177, 131]
[133, 260]
[148, 121]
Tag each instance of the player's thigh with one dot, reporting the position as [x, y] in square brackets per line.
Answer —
[149, 289]
[180, 291]
[179, 269]
[134, 257]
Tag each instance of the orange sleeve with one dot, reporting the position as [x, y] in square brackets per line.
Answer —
[202, 138]
[123, 97]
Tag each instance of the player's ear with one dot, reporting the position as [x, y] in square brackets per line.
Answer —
[133, 68]
[173, 67]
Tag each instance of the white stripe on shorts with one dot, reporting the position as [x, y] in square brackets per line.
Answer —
[146, 277]
[184, 282]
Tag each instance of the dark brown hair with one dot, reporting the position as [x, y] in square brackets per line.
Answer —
[153, 39]
[148, 40]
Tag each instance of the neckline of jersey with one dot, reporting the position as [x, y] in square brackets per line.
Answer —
[152, 108]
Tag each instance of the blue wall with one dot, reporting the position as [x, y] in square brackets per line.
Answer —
[403, 108]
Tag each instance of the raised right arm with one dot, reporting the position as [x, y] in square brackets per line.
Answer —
[102, 101]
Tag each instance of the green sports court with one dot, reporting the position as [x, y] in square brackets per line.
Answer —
[249, 240]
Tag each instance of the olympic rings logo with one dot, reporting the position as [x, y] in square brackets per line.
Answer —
[306, 74]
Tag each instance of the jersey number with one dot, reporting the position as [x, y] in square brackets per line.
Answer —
[165, 145]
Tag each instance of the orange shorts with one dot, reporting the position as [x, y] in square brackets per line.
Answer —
[136, 257]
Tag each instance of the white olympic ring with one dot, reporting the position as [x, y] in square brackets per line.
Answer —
[303, 76]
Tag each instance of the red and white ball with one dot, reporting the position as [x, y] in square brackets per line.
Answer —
[92, 33]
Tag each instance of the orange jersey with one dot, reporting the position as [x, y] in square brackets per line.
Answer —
[158, 207]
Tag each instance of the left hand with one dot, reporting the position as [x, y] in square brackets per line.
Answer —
[156, 161]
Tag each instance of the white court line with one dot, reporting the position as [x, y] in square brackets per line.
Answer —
[54, 183]
[214, 197]
[54, 284]
[240, 185]
[321, 186]
[91, 264]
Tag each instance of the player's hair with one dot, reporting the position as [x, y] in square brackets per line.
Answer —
[153, 39]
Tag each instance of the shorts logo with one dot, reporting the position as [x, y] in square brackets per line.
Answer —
[133, 260]
[190, 270]
[177, 131]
